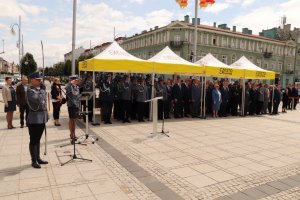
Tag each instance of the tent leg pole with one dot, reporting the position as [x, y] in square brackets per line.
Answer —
[152, 96]
[94, 102]
[272, 109]
[201, 102]
[204, 99]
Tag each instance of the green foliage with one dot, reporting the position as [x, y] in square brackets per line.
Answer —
[28, 64]
[68, 68]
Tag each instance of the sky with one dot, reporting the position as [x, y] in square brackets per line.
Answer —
[50, 21]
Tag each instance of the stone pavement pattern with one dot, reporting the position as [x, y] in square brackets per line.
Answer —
[232, 158]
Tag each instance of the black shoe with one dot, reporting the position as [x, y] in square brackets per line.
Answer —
[35, 165]
[42, 162]
[128, 121]
[22, 126]
[124, 121]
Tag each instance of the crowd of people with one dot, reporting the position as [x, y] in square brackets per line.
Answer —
[124, 97]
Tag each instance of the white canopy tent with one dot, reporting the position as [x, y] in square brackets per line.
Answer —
[168, 62]
[252, 72]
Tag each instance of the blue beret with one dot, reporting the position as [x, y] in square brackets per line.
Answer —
[35, 75]
[74, 77]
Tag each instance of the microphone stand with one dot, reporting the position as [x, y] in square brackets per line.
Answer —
[163, 132]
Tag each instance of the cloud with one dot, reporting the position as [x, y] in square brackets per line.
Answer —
[216, 8]
[137, 1]
[13, 8]
[269, 16]
[248, 2]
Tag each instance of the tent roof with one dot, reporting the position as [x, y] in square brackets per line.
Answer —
[116, 52]
[244, 63]
[168, 56]
[210, 60]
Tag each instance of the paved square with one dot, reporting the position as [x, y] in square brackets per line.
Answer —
[231, 158]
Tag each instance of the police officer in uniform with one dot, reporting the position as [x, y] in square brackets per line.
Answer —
[37, 118]
[141, 94]
[126, 98]
[73, 94]
[107, 95]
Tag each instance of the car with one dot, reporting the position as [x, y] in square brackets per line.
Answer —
[2, 83]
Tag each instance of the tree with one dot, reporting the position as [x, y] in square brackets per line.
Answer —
[28, 64]
[67, 69]
[46, 71]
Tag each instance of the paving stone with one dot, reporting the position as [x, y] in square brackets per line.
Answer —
[168, 195]
[290, 182]
[254, 193]
[241, 196]
[267, 189]
[279, 185]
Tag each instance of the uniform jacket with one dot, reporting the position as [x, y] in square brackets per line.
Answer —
[141, 93]
[37, 103]
[126, 90]
[107, 91]
[216, 97]
[225, 94]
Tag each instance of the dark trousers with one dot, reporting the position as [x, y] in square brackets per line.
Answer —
[118, 109]
[223, 108]
[90, 109]
[160, 106]
[167, 106]
[134, 110]
[252, 108]
[275, 107]
[23, 111]
[195, 109]
[234, 108]
[295, 103]
[259, 106]
[56, 110]
[186, 107]
[178, 110]
[35, 133]
[141, 110]
[126, 109]
[270, 107]
[107, 110]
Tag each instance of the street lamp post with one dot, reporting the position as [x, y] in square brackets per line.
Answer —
[19, 42]
[74, 36]
[196, 31]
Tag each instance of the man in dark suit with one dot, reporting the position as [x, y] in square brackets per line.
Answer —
[276, 99]
[168, 100]
[177, 97]
[21, 99]
[225, 98]
[107, 96]
[295, 97]
[186, 94]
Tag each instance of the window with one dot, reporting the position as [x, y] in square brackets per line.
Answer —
[233, 43]
[289, 67]
[177, 38]
[224, 41]
[251, 58]
[258, 61]
[298, 51]
[273, 66]
[233, 59]
[280, 66]
[266, 66]
[204, 39]
[250, 46]
[298, 62]
[214, 41]
[241, 44]
[224, 59]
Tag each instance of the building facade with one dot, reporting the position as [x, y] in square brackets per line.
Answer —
[225, 44]
[77, 52]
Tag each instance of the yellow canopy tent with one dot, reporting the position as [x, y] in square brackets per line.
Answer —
[252, 71]
[115, 59]
[215, 68]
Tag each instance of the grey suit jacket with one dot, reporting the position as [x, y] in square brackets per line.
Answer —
[37, 103]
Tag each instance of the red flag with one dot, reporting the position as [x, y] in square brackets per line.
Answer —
[205, 3]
